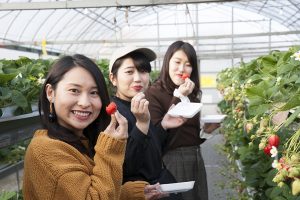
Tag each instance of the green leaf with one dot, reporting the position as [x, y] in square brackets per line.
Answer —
[280, 198]
[6, 195]
[275, 192]
[255, 91]
[268, 64]
[271, 174]
[4, 78]
[10, 70]
[255, 100]
[294, 49]
[292, 117]
[292, 103]
[5, 93]
[254, 78]
[271, 91]
[283, 69]
[258, 110]
[19, 99]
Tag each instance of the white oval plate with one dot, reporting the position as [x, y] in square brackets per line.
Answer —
[177, 187]
[213, 118]
[186, 110]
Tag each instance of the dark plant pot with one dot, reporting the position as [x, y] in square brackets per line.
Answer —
[18, 128]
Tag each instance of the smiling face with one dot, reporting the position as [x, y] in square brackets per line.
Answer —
[178, 65]
[129, 81]
[76, 100]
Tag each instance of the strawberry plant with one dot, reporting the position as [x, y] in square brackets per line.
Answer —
[20, 83]
[261, 100]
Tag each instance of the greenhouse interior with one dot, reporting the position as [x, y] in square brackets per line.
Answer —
[248, 56]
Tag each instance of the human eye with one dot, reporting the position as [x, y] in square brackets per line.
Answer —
[129, 72]
[188, 65]
[95, 93]
[74, 91]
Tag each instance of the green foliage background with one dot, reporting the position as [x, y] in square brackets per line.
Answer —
[253, 93]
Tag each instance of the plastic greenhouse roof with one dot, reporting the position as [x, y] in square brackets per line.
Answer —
[96, 28]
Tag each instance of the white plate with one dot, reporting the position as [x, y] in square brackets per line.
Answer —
[177, 187]
[187, 110]
[213, 118]
[208, 135]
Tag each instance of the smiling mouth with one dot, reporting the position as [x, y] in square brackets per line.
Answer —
[81, 114]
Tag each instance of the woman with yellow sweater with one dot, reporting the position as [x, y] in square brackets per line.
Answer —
[80, 152]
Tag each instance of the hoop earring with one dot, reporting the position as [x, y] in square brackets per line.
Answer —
[51, 115]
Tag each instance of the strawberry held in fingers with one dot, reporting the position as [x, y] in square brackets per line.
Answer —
[184, 76]
[111, 108]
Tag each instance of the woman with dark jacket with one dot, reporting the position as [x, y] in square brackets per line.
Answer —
[182, 152]
[129, 73]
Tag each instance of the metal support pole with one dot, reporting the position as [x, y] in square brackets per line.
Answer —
[158, 40]
[232, 32]
[270, 36]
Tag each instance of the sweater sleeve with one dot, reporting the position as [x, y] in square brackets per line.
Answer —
[59, 171]
[133, 190]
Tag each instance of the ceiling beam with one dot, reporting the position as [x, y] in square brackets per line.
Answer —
[95, 4]
[29, 49]
[201, 38]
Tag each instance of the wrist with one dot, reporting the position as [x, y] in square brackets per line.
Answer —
[163, 125]
[143, 127]
[179, 95]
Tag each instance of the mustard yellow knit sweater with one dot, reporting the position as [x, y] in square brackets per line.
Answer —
[55, 170]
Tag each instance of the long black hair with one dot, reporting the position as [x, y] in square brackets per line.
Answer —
[55, 75]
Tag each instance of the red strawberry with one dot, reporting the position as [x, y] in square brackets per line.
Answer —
[274, 140]
[111, 108]
[184, 76]
[267, 150]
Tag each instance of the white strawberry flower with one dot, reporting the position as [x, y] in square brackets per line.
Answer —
[275, 163]
[296, 55]
[19, 75]
[274, 152]
[41, 80]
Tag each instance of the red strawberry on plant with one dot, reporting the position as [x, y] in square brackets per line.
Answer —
[184, 76]
[267, 150]
[111, 108]
[274, 140]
